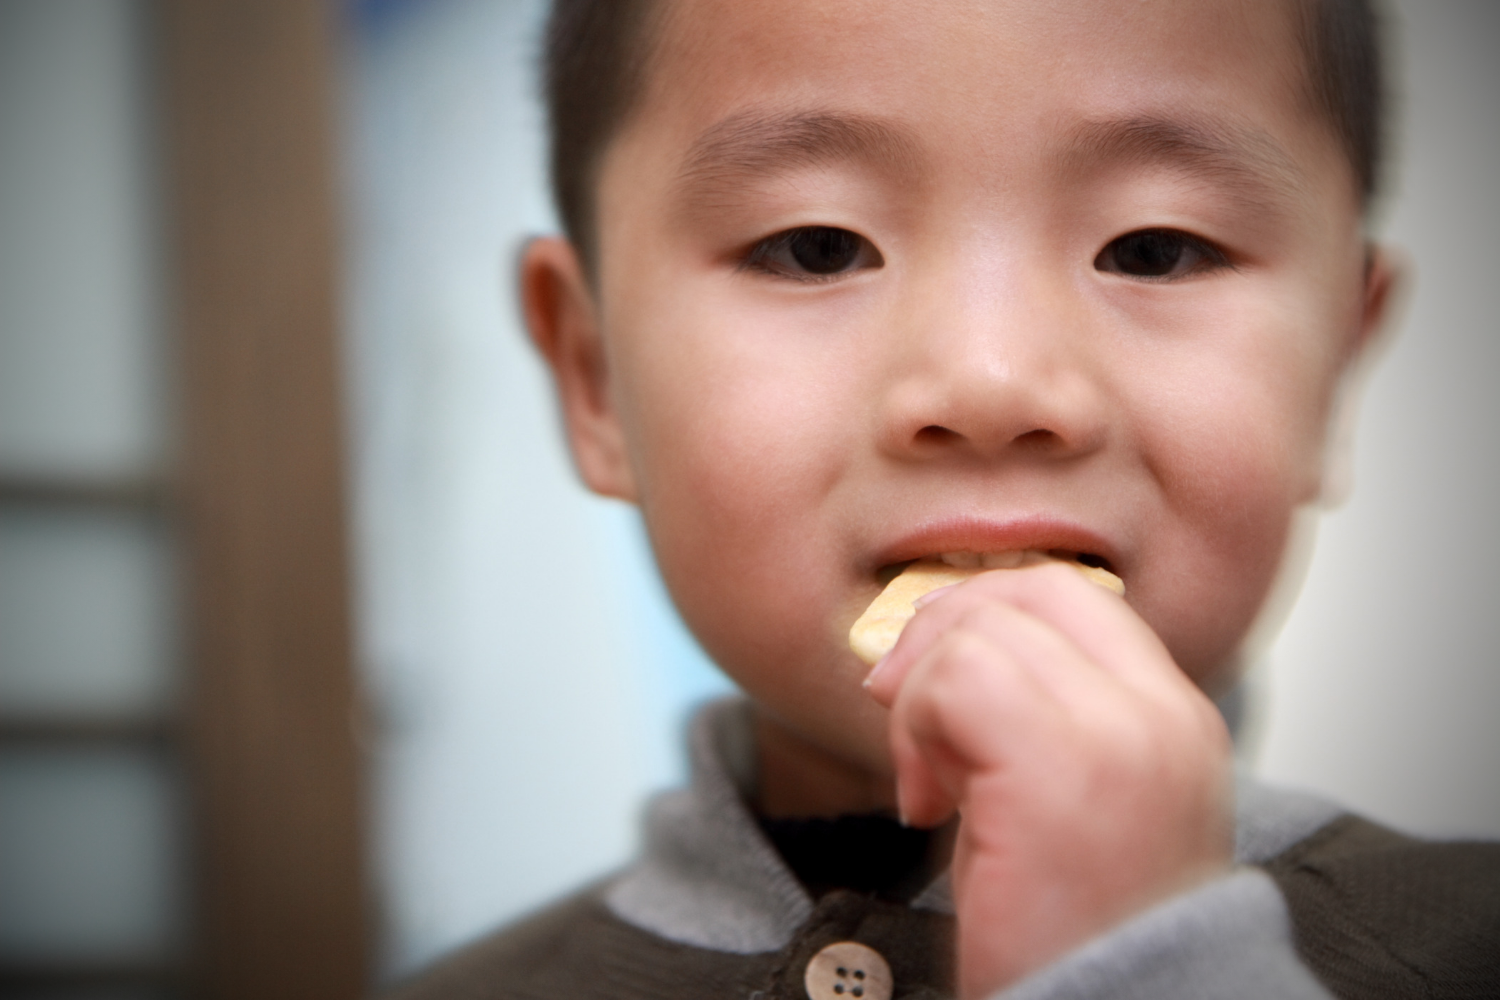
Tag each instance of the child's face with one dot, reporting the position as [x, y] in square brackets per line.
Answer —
[988, 366]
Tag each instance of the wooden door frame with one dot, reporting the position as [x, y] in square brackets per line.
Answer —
[248, 89]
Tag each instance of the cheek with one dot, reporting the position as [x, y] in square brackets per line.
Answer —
[737, 445]
[1235, 444]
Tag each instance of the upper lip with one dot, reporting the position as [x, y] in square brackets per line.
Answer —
[980, 534]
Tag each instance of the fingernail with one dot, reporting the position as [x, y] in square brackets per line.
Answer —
[870, 677]
[931, 596]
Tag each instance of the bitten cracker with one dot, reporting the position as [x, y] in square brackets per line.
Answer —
[877, 630]
[875, 633]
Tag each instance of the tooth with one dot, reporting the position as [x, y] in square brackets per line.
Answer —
[1031, 557]
[1001, 560]
[961, 560]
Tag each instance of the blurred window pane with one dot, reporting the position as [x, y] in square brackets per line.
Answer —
[81, 372]
[85, 614]
[90, 866]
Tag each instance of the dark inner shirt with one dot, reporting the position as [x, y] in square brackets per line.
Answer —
[870, 854]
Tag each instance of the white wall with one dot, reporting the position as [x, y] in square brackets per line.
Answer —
[528, 673]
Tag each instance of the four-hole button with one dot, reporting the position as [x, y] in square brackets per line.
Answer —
[848, 970]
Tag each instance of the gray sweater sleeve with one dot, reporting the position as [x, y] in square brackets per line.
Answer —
[1228, 940]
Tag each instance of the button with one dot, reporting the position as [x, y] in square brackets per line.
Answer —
[848, 969]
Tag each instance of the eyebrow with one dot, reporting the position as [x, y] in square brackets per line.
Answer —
[754, 143]
[1246, 160]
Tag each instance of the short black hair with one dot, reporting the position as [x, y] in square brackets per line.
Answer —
[597, 51]
[594, 64]
[1343, 43]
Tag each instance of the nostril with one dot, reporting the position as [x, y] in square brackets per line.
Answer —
[1039, 439]
[933, 434]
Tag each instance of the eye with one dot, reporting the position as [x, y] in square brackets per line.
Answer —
[812, 252]
[1159, 253]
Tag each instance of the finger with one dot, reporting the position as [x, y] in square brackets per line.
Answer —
[923, 796]
[963, 707]
[936, 615]
[887, 676]
[1052, 658]
[977, 611]
[1101, 625]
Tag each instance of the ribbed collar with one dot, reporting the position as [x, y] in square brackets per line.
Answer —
[708, 877]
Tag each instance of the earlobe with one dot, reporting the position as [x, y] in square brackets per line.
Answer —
[1387, 275]
[562, 320]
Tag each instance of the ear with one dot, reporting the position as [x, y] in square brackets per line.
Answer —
[1387, 277]
[564, 325]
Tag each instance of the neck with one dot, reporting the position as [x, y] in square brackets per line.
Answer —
[798, 778]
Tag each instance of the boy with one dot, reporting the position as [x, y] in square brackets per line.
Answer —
[852, 285]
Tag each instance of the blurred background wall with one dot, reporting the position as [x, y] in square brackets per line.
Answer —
[507, 738]
[530, 676]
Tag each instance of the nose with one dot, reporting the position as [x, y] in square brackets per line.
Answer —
[1011, 370]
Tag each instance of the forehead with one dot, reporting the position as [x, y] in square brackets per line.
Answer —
[1222, 81]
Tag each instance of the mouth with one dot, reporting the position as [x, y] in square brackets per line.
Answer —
[873, 635]
[1001, 559]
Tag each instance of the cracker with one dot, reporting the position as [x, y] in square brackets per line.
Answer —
[875, 633]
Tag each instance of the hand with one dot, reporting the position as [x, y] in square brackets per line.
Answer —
[1091, 776]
